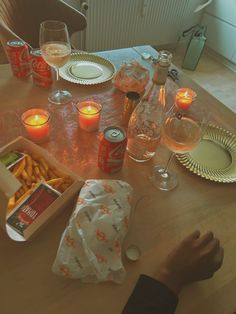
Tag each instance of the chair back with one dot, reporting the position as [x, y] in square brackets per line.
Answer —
[21, 19]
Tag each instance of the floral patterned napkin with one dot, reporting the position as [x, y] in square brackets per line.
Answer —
[90, 247]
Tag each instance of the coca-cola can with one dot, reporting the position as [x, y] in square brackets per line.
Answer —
[112, 148]
[19, 58]
[41, 71]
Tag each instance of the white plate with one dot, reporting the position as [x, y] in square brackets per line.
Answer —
[87, 69]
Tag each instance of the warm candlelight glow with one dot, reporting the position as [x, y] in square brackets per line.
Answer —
[184, 97]
[36, 123]
[89, 115]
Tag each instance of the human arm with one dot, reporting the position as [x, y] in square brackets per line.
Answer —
[195, 258]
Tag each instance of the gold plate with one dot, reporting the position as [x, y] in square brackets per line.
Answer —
[215, 157]
[87, 69]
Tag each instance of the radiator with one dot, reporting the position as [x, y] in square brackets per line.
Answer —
[122, 23]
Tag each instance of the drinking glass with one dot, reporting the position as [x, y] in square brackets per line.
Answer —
[181, 132]
[55, 46]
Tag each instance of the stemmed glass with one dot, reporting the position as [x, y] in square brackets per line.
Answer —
[181, 131]
[55, 46]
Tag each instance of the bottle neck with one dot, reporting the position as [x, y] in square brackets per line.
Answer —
[160, 74]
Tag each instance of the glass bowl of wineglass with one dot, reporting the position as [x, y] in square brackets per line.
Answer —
[55, 46]
[181, 131]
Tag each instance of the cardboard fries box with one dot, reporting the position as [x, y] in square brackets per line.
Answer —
[9, 185]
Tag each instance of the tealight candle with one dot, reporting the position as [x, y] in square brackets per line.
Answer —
[89, 115]
[36, 123]
[184, 97]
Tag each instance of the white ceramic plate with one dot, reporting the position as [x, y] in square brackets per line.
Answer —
[87, 69]
[215, 156]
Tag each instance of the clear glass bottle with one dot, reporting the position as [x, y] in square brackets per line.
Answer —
[144, 127]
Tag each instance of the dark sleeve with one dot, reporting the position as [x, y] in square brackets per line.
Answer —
[150, 297]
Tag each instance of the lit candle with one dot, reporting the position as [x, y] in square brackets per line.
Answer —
[36, 123]
[89, 115]
[184, 97]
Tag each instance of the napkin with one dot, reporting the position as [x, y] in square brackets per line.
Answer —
[90, 247]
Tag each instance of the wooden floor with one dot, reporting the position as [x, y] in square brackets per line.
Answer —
[213, 76]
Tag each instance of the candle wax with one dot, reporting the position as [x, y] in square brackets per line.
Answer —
[183, 99]
[37, 126]
[89, 116]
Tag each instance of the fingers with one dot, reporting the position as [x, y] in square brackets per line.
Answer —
[205, 239]
[215, 263]
[218, 258]
[212, 247]
[193, 236]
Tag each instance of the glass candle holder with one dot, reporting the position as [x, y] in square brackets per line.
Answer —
[36, 123]
[89, 115]
[184, 97]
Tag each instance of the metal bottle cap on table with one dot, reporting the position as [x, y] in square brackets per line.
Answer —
[133, 253]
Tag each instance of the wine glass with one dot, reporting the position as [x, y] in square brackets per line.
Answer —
[182, 129]
[55, 47]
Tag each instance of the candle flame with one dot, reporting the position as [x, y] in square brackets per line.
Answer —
[36, 117]
[89, 108]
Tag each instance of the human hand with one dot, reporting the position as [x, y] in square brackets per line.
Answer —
[195, 258]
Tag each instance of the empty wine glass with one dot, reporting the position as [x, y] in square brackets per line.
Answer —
[55, 47]
[181, 131]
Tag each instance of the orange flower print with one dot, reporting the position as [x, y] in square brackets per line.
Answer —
[108, 188]
[70, 241]
[64, 270]
[80, 201]
[100, 235]
[117, 247]
[105, 210]
[126, 221]
[101, 258]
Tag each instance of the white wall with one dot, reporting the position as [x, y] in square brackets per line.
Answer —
[123, 23]
[220, 18]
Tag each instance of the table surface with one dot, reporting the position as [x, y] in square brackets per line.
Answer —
[159, 219]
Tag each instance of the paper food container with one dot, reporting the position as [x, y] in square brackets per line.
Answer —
[9, 185]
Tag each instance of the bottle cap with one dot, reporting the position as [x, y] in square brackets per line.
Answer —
[133, 253]
[165, 58]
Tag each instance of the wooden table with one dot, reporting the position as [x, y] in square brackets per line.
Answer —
[159, 219]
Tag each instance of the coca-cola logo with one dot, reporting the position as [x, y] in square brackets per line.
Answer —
[117, 153]
[40, 66]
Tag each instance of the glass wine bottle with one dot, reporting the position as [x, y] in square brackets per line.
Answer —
[144, 129]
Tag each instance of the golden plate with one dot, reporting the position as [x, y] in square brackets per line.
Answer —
[87, 69]
[215, 157]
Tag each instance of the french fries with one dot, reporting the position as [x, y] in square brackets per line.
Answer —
[32, 169]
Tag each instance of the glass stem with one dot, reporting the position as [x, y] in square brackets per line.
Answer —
[169, 162]
[57, 74]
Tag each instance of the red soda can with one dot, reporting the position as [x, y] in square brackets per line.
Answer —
[41, 71]
[19, 58]
[112, 148]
